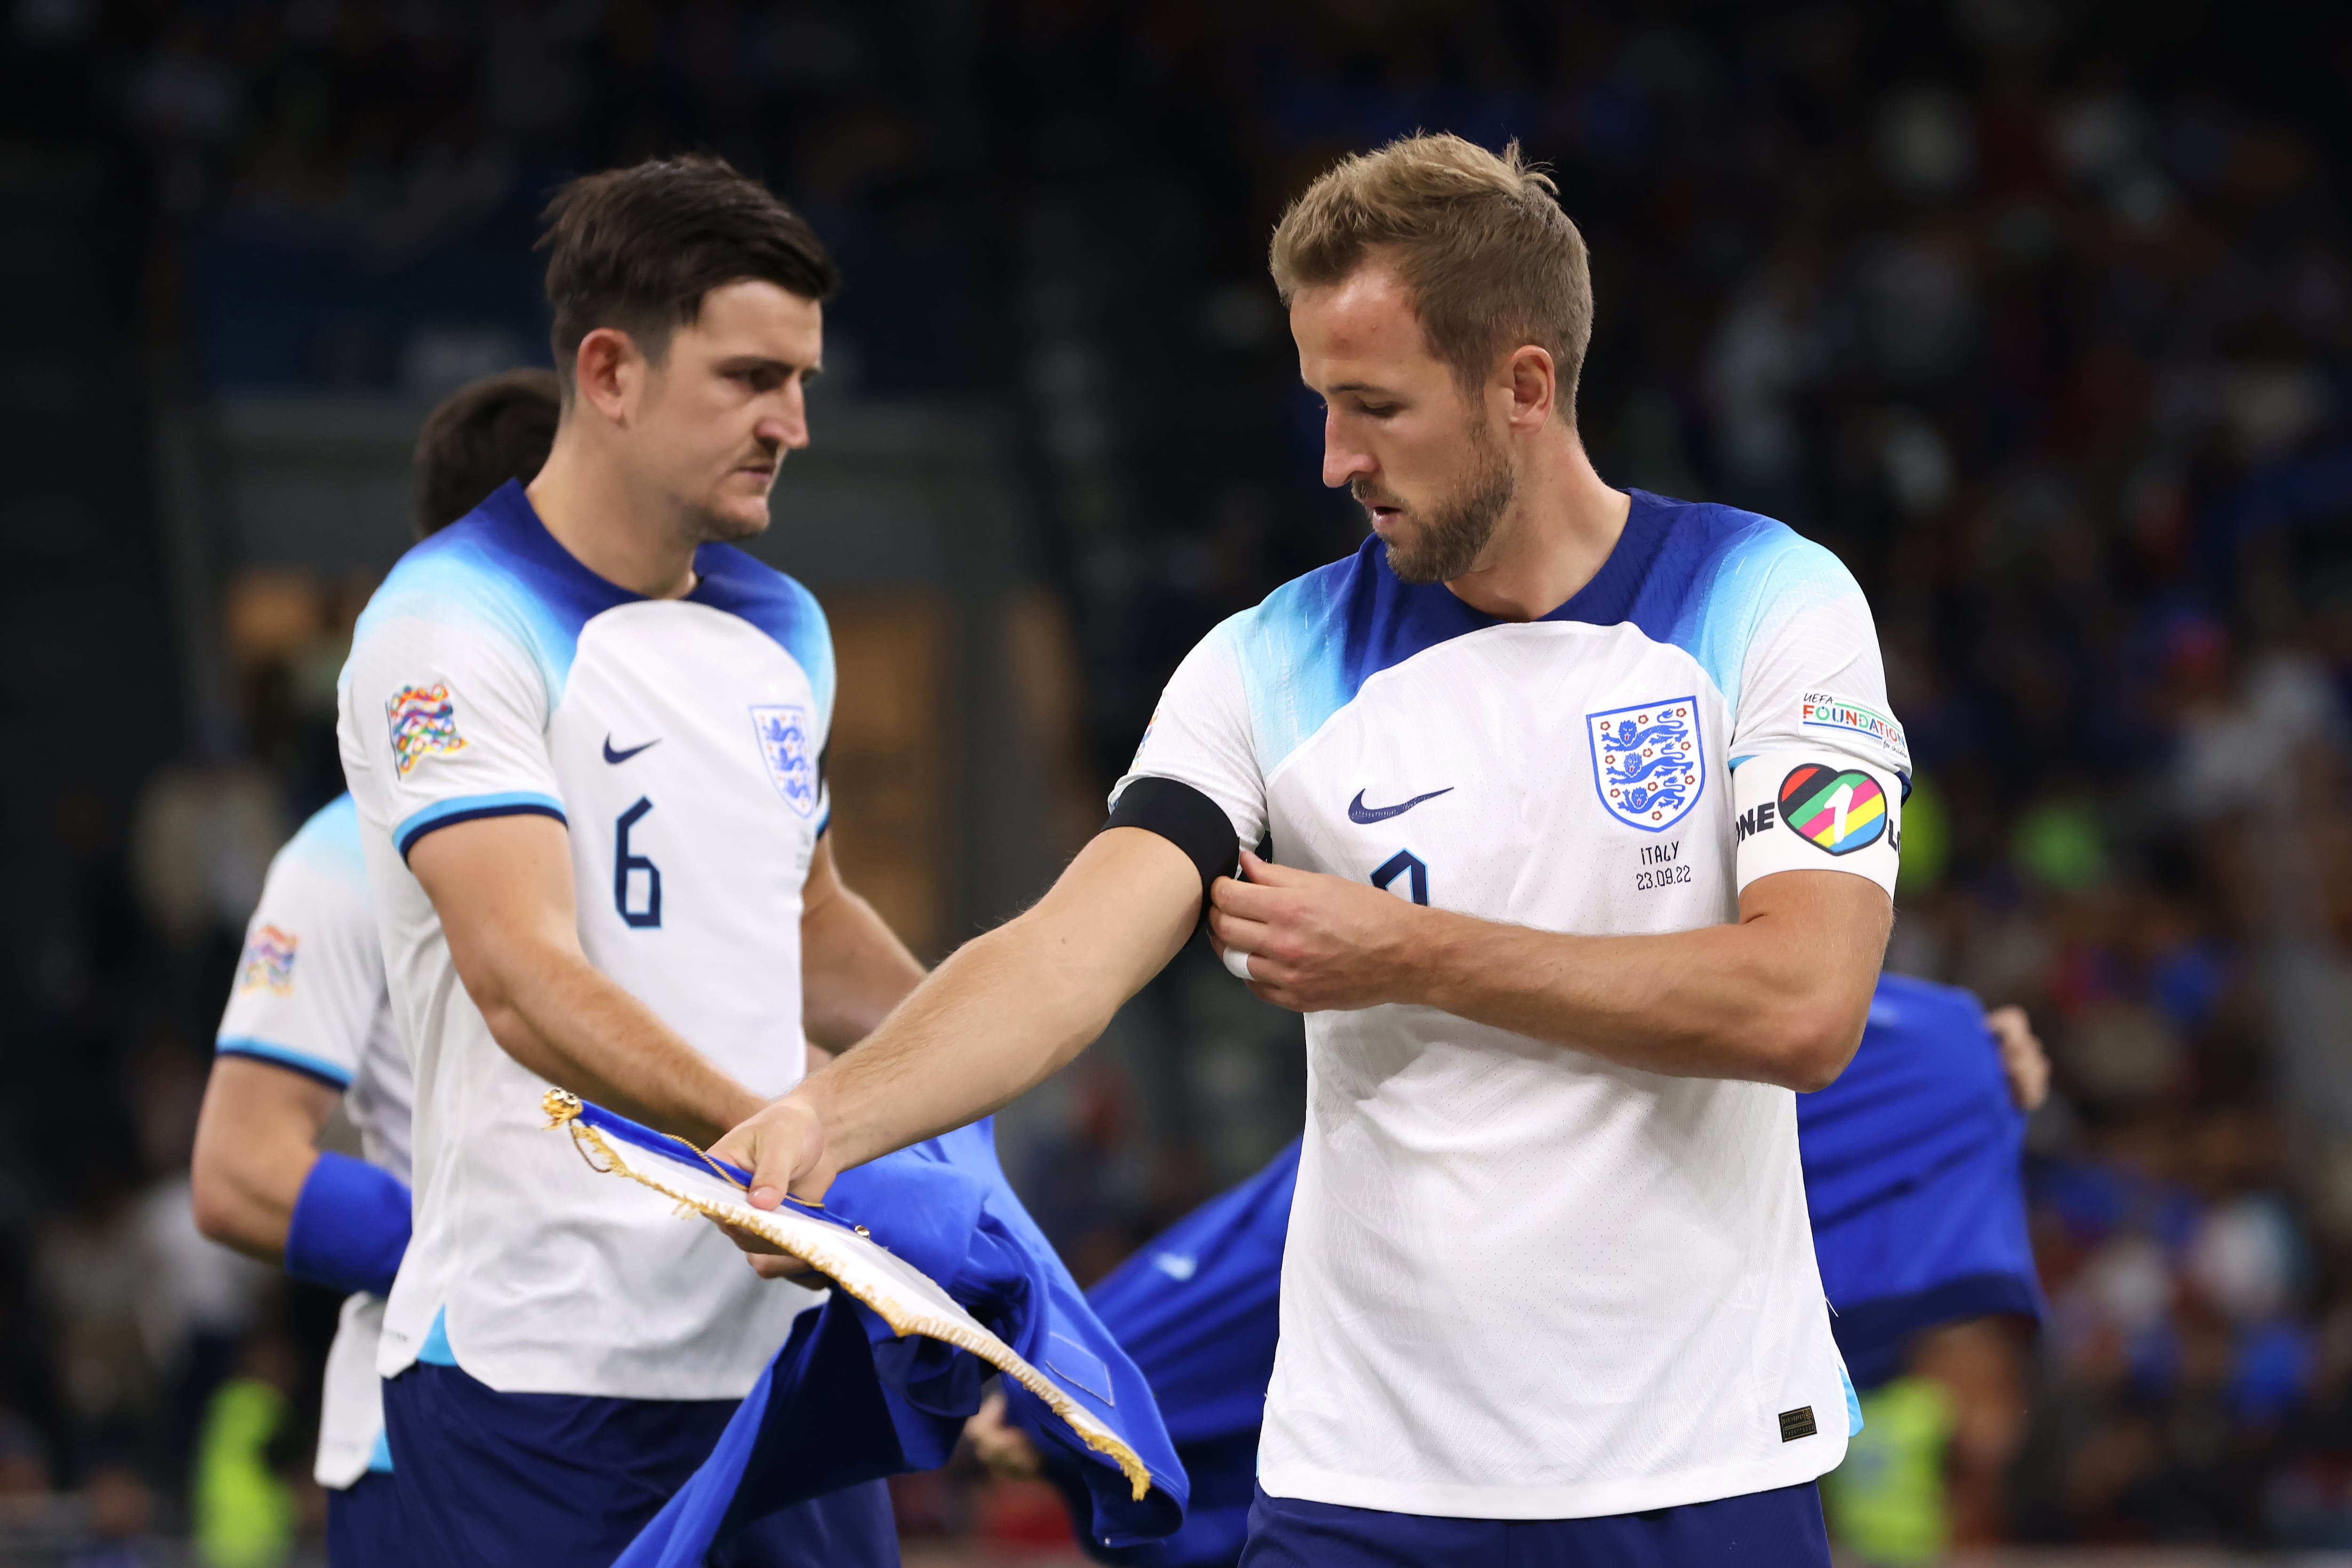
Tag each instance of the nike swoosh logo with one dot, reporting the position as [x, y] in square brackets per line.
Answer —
[613, 755]
[1359, 812]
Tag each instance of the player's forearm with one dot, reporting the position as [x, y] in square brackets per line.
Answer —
[559, 1016]
[244, 1199]
[998, 1018]
[1766, 999]
[256, 1138]
[854, 970]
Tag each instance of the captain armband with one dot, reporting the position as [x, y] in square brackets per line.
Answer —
[1801, 810]
[1185, 818]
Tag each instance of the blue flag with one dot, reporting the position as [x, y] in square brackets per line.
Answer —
[848, 1399]
[1913, 1177]
[1199, 1309]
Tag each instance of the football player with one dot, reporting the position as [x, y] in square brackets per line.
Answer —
[308, 1026]
[585, 735]
[1584, 806]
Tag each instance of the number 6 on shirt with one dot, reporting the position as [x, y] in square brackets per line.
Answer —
[623, 862]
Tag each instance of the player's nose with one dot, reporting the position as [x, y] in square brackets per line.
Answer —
[1343, 460]
[785, 428]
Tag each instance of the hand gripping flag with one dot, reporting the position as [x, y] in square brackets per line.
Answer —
[1912, 1163]
[940, 1277]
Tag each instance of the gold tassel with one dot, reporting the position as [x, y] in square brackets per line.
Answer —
[563, 1111]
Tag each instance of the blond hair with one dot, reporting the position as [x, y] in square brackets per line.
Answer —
[1478, 240]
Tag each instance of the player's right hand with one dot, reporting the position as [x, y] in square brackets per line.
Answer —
[782, 1145]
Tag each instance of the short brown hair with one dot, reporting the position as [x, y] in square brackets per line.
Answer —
[481, 435]
[1477, 239]
[637, 248]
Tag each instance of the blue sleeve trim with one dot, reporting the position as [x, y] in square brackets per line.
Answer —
[470, 807]
[350, 1226]
[379, 1456]
[326, 1072]
[822, 823]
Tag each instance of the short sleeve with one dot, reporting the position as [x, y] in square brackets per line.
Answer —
[310, 979]
[1820, 766]
[444, 722]
[1201, 737]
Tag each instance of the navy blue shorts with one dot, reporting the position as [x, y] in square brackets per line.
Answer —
[1780, 1529]
[505, 1480]
[365, 1526]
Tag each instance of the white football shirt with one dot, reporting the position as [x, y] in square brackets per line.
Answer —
[1522, 1281]
[309, 998]
[679, 740]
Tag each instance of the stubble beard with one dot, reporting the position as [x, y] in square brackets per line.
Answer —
[714, 527]
[711, 525]
[1448, 541]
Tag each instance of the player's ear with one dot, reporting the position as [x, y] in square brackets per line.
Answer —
[1534, 383]
[606, 371]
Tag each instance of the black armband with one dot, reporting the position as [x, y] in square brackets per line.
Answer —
[1185, 818]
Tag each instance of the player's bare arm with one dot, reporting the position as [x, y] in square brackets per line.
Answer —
[854, 969]
[994, 1020]
[257, 1139]
[1781, 997]
[503, 889]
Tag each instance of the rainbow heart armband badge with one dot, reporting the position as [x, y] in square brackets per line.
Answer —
[1815, 811]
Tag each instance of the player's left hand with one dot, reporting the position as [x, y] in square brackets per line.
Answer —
[2023, 1061]
[1000, 1445]
[1314, 943]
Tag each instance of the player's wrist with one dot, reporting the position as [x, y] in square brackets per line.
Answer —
[350, 1228]
[811, 1110]
[1424, 956]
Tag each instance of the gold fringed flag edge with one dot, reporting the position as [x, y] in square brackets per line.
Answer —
[811, 1244]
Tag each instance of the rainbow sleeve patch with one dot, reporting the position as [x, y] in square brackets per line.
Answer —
[1835, 809]
[423, 721]
[268, 964]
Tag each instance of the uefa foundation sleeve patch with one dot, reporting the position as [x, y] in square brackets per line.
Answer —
[423, 721]
[1845, 717]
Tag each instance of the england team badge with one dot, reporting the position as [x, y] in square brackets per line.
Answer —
[1648, 765]
[782, 730]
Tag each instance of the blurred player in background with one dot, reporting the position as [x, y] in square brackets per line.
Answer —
[585, 736]
[1585, 805]
[309, 1026]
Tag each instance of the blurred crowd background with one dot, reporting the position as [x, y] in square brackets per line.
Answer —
[2039, 312]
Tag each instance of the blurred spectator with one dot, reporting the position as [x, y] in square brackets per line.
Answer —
[244, 1506]
[122, 1515]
